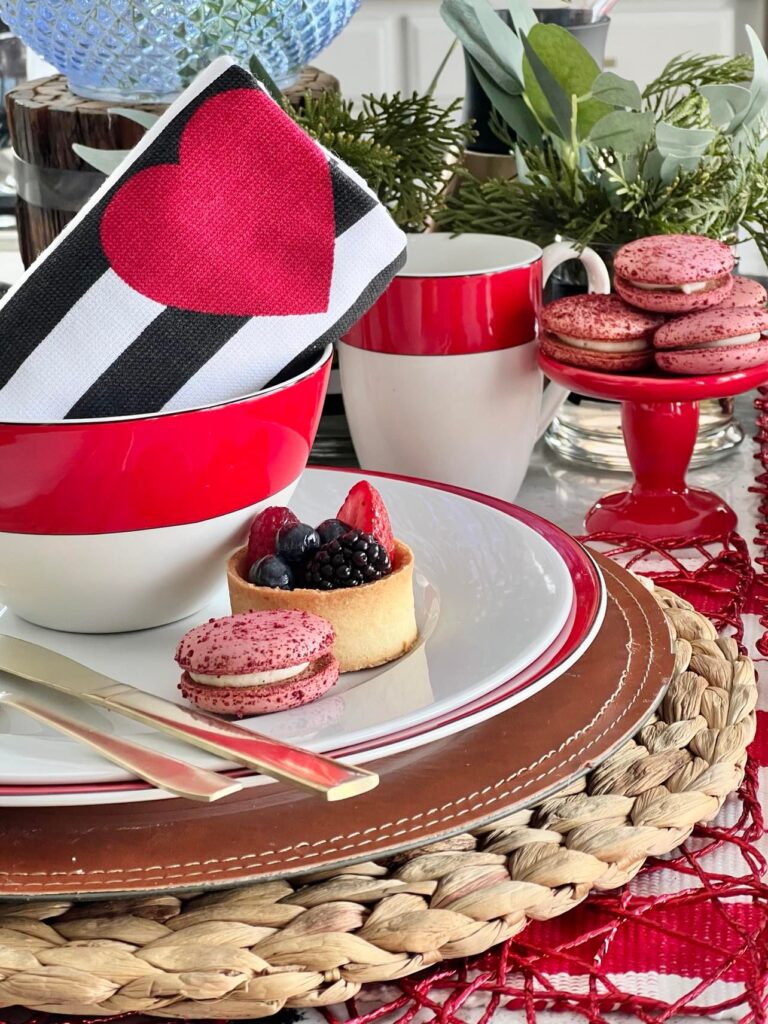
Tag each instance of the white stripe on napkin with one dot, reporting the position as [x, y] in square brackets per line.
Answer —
[51, 379]
[264, 345]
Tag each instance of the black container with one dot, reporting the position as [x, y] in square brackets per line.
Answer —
[477, 106]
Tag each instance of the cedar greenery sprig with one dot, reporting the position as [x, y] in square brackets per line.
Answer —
[400, 145]
[616, 201]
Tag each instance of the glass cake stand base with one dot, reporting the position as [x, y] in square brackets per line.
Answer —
[587, 432]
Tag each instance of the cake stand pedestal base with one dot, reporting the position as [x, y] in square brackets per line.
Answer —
[659, 420]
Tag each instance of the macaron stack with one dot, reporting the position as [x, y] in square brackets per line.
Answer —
[677, 304]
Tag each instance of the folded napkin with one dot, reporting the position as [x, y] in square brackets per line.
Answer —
[226, 250]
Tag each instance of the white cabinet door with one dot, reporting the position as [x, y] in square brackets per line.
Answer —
[428, 40]
[641, 42]
[368, 56]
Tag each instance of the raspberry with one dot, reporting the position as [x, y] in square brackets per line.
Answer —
[261, 539]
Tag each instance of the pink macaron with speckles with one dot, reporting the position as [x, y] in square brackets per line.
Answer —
[674, 274]
[256, 663]
[746, 293]
[715, 341]
[598, 332]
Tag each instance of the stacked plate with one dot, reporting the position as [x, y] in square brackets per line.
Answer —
[506, 602]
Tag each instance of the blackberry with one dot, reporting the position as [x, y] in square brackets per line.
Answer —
[351, 560]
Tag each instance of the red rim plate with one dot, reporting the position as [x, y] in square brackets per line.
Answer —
[588, 599]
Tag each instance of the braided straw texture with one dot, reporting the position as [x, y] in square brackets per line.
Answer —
[249, 952]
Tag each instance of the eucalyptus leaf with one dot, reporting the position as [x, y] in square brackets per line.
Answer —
[104, 160]
[142, 117]
[651, 169]
[487, 38]
[523, 16]
[671, 140]
[550, 101]
[726, 103]
[758, 89]
[521, 165]
[624, 131]
[671, 166]
[262, 76]
[573, 69]
[512, 109]
[618, 91]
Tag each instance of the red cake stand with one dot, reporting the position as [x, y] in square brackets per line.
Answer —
[659, 419]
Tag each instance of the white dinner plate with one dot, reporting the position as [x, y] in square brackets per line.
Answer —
[492, 595]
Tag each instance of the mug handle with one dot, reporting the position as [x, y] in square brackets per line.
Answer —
[598, 280]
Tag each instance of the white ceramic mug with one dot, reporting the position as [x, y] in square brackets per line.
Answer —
[440, 378]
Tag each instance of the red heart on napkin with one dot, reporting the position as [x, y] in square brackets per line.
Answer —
[242, 225]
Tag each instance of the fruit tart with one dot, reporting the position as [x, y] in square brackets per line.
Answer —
[350, 570]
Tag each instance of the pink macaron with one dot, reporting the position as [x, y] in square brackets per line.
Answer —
[598, 332]
[746, 293]
[715, 341]
[255, 663]
[674, 274]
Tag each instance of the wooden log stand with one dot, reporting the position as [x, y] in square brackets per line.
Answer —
[46, 118]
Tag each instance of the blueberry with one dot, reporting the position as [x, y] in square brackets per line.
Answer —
[330, 529]
[297, 543]
[271, 572]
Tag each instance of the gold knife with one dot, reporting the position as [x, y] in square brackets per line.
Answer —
[304, 768]
[158, 769]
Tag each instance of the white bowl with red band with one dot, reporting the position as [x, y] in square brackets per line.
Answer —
[110, 525]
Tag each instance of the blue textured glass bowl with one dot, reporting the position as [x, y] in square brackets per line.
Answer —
[134, 50]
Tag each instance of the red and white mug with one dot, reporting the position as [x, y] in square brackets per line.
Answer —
[440, 377]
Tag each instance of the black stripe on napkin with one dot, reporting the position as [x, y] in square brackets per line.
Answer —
[166, 354]
[31, 313]
[364, 301]
[350, 201]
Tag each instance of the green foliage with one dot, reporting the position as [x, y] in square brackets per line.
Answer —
[400, 145]
[555, 69]
[688, 154]
[687, 72]
[610, 204]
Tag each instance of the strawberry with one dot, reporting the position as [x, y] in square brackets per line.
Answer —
[364, 510]
[261, 539]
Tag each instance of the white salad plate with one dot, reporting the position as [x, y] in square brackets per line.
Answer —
[505, 603]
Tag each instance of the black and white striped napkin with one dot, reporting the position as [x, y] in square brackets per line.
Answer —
[224, 252]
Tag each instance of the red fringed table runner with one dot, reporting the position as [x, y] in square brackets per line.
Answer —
[688, 937]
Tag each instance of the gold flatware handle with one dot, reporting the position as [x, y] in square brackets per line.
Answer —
[159, 770]
[315, 772]
[300, 767]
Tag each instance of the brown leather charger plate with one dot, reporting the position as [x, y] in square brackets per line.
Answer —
[430, 793]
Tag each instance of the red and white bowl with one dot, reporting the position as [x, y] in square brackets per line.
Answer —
[110, 525]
